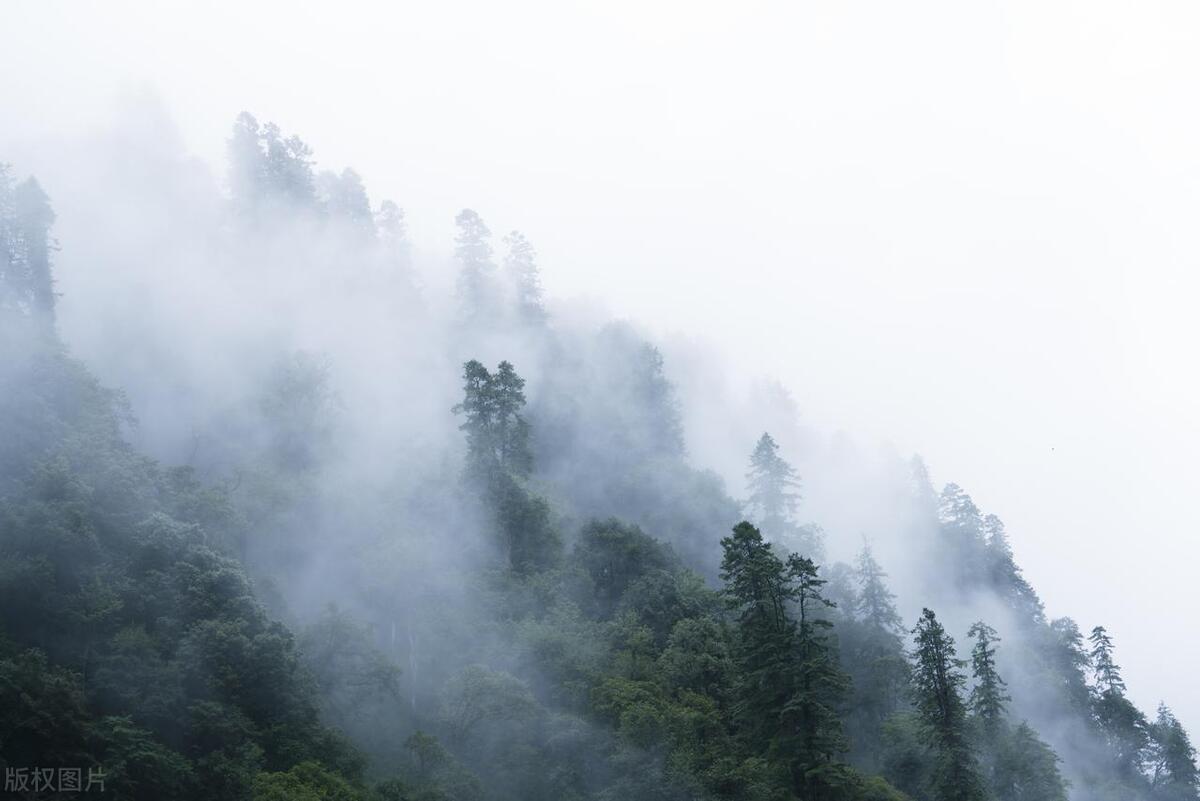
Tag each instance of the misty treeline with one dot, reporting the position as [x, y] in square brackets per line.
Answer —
[344, 536]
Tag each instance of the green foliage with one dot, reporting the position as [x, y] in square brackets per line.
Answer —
[937, 684]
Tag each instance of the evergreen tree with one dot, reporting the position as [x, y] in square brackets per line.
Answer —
[1108, 674]
[811, 713]
[477, 274]
[876, 604]
[1005, 575]
[520, 267]
[1069, 662]
[512, 431]
[26, 276]
[268, 171]
[788, 681]
[497, 433]
[345, 199]
[1026, 769]
[1173, 773]
[498, 457]
[773, 488]
[938, 682]
[988, 698]
[1124, 726]
[875, 656]
[958, 513]
[393, 233]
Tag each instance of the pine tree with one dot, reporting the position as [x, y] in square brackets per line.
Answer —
[345, 199]
[876, 604]
[520, 268]
[497, 433]
[1004, 573]
[876, 656]
[498, 456]
[477, 293]
[393, 233]
[1108, 674]
[789, 682]
[26, 272]
[9, 282]
[811, 713]
[988, 698]
[773, 484]
[1173, 773]
[938, 681]
[1124, 726]
[512, 431]
[958, 513]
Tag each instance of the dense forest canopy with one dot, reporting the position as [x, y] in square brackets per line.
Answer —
[319, 532]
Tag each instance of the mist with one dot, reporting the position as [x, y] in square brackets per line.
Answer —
[919, 247]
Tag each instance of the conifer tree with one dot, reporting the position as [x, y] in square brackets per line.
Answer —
[811, 713]
[1124, 726]
[880, 672]
[958, 513]
[773, 488]
[33, 218]
[1108, 674]
[497, 433]
[520, 268]
[988, 698]
[477, 273]
[1173, 772]
[789, 682]
[938, 682]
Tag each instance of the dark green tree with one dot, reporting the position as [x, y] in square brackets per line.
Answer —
[938, 682]
[1026, 769]
[497, 433]
[988, 697]
[788, 680]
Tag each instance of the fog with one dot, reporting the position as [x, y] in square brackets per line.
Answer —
[963, 231]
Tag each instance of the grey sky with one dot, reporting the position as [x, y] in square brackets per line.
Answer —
[968, 228]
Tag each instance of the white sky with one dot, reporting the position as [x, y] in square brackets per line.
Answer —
[968, 227]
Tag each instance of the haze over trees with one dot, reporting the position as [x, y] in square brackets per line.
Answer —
[392, 545]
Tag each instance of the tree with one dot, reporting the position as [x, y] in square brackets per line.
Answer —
[938, 681]
[811, 712]
[477, 292]
[1026, 769]
[520, 268]
[1173, 773]
[1107, 672]
[773, 487]
[788, 682]
[267, 171]
[497, 433]
[33, 220]
[345, 199]
[988, 699]
[1124, 726]
[958, 513]
[393, 233]
[876, 656]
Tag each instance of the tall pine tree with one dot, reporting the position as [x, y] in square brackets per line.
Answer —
[938, 682]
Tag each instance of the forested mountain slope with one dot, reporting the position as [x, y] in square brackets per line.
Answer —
[372, 540]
